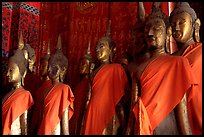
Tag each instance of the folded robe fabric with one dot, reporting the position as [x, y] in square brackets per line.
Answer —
[38, 106]
[163, 84]
[80, 94]
[20, 101]
[194, 55]
[107, 89]
[55, 103]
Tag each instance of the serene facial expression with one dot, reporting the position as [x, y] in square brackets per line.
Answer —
[13, 73]
[43, 67]
[103, 51]
[84, 66]
[155, 33]
[53, 71]
[182, 27]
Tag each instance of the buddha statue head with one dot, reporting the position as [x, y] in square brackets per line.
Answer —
[58, 64]
[44, 63]
[105, 48]
[29, 53]
[185, 24]
[86, 64]
[16, 69]
[156, 29]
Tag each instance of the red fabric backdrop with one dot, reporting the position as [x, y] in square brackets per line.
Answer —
[77, 21]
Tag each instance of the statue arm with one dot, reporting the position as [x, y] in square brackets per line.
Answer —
[182, 117]
[134, 97]
[24, 123]
[65, 122]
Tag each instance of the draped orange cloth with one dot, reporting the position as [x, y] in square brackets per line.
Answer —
[20, 101]
[55, 103]
[107, 90]
[37, 108]
[194, 55]
[163, 84]
[80, 94]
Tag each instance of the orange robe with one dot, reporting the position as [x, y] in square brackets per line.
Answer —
[20, 101]
[36, 113]
[80, 94]
[57, 100]
[194, 55]
[163, 84]
[108, 87]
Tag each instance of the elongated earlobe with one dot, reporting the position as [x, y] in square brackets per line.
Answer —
[23, 77]
[197, 29]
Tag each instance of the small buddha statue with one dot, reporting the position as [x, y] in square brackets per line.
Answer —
[185, 31]
[106, 119]
[46, 83]
[17, 102]
[82, 92]
[59, 96]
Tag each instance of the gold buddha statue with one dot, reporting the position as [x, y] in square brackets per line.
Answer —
[58, 96]
[185, 31]
[185, 26]
[155, 33]
[86, 64]
[17, 102]
[105, 49]
[44, 64]
[83, 92]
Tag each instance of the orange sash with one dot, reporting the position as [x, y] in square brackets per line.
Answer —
[163, 84]
[37, 108]
[194, 55]
[107, 89]
[14, 107]
[55, 103]
[80, 94]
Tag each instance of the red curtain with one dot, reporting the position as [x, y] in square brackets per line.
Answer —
[76, 22]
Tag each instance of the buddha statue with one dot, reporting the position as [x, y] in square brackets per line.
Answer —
[29, 54]
[151, 116]
[46, 83]
[106, 119]
[44, 64]
[59, 96]
[17, 102]
[82, 92]
[185, 31]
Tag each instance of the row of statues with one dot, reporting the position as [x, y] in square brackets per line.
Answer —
[157, 93]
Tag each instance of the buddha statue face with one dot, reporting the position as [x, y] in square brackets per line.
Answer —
[54, 71]
[84, 66]
[155, 33]
[31, 61]
[103, 51]
[182, 28]
[13, 74]
[43, 67]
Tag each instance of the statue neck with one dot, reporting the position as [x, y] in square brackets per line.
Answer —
[183, 46]
[55, 81]
[158, 52]
[105, 62]
[16, 86]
